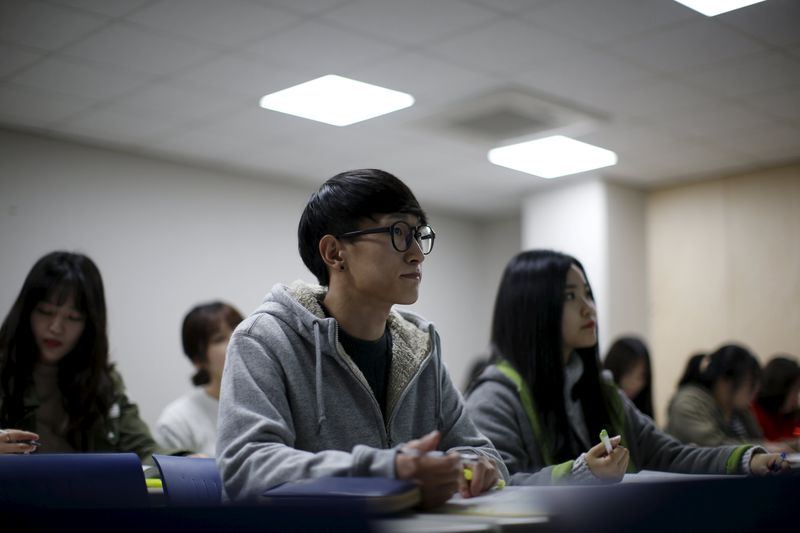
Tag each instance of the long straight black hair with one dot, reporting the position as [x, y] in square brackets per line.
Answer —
[526, 331]
[84, 376]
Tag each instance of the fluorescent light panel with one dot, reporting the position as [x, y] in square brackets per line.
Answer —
[711, 8]
[552, 157]
[336, 100]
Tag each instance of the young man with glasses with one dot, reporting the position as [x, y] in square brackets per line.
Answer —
[330, 380]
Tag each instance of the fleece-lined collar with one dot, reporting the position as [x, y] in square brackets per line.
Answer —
[411, 343]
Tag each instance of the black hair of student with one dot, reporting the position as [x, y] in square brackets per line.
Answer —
[777, 379]
[84, 375]
[526, 331]
[199, 326]
[620, 359]
[731, 361]
[342, 202]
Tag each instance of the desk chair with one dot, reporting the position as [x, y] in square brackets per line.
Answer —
[72, 480]
[189, 481]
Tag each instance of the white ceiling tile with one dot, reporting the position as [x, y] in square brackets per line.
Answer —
[776, 22]
[768, 141]
[69, 77]
[581, 77]
[110, 125]
[509, 6]
[682, 96]
[252, 124]
[136, 49]
[194, 143]
[505, 46]
[606, 21]
[305, 7]
[13, 58]
[231, 23]
[176, 102]
[689, 45]
[780, 103]
[44, 26]
[240, 76]
[320, 48]
[626, 138]
[711, 121]
[751, 74]
[37, 107]
[428, 79]
[410, 21]
[115, 8]
[649, 97]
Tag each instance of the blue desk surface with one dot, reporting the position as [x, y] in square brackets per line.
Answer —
[705, 504]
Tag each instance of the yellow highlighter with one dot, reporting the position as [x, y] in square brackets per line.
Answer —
[468, 476]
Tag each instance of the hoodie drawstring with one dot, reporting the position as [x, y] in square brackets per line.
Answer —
[318, 378]
[438, 383]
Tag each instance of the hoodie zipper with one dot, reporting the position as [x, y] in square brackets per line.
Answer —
[375, 406]
[403, 394]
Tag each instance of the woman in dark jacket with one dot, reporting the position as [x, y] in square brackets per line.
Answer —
[58, 391]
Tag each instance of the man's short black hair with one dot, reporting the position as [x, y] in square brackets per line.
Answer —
[342, 202]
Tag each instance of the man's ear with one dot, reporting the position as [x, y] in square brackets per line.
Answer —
[331, 251]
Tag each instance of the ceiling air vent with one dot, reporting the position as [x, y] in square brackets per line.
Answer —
[514, 113]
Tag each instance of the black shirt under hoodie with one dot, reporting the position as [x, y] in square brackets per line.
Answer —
[374, 359]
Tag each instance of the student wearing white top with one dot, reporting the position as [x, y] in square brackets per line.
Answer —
[190, 422]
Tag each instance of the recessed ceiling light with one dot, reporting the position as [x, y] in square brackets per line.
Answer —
[552, 157]
[336, 100]
[711, 8]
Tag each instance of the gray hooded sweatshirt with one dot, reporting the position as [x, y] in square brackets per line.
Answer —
[294, 405]
[497, 410]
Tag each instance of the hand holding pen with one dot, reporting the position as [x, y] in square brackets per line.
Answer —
[480, 475]
[762, 464]
[608, 460]
[18, 441]
[438, 475]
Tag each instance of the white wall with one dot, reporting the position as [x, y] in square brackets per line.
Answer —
[572, 219]
[601, 225]
[627, 255]
[167, 236]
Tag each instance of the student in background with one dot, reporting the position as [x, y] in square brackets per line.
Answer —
[57, 386]
[712, 404]
[190, 422]
[776, 406]
[543, 401]
[628, 360]
[329, 379]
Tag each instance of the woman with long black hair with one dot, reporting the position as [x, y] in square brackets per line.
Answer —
[543, 400]
[58, 391]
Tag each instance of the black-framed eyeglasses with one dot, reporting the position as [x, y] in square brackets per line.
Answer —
[403, 234]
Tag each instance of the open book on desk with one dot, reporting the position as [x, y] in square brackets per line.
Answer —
[374, 495]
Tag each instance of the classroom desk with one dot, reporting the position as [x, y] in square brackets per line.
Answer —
[700, 503]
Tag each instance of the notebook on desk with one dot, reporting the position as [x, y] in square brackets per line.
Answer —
[374, 494]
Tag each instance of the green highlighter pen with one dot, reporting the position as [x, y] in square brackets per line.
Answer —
[606, 442]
